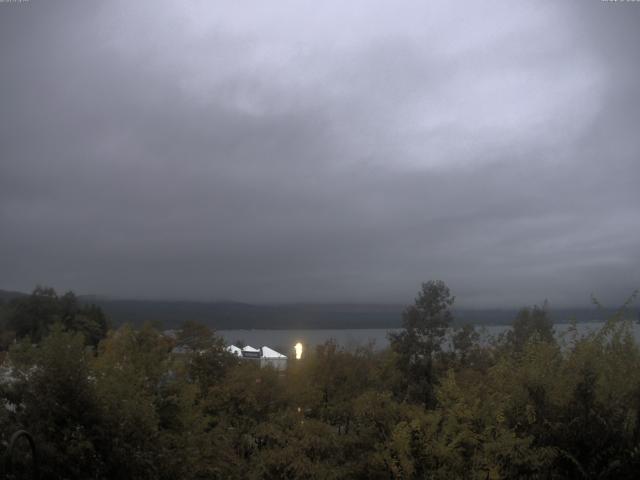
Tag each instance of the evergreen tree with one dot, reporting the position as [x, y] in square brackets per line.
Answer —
[420, 341]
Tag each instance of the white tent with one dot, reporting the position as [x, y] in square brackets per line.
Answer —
[234, 350]
[271, 353]
[265, 355]
[273, 359]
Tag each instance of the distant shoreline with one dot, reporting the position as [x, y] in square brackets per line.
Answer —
[168, 314]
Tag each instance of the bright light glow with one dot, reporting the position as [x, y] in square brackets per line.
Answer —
[298, 348]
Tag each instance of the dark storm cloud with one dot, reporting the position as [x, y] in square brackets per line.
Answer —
[322, 153]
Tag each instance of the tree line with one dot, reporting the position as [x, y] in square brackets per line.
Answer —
[107, 403]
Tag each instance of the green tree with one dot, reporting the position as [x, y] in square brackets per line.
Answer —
[531, 323]
[57, 403]
[130, 372]
[465, 342]
[34, 315]
[195, 336]
[208, 367]
[419, 343]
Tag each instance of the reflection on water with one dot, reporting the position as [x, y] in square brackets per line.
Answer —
[282, 340]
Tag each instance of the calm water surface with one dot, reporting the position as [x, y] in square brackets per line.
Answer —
[350, 338]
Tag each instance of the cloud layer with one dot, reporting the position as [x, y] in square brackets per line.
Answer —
[305, 151]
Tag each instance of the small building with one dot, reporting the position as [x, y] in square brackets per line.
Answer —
[273, 359]
[267, 356]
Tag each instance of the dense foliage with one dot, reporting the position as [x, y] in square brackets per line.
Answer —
[437, 404]
[33, 316]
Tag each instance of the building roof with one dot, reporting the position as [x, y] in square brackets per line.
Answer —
[234, 350]
[271, 353]
[250, 352]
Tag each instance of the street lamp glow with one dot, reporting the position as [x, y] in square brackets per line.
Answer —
[298, 349]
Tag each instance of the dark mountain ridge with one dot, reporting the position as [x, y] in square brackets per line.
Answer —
[228, 315]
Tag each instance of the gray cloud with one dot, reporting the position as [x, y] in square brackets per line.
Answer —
[321, 152]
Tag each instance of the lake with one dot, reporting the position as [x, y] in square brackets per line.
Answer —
[284, 340]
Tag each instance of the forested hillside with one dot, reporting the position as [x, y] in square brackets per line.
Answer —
[237, 315]
[526, 406]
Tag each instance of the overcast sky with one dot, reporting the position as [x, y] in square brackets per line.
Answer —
[321, 151]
